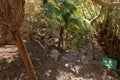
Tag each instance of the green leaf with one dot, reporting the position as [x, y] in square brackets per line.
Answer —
[51, 9]
[68, 6]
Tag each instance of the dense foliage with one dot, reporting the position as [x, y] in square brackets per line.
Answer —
[64, 15]
[69, 20]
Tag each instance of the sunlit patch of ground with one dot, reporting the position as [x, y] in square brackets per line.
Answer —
[8, 52]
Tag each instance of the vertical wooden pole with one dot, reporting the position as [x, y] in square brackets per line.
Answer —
[24, 55]
[46, 41]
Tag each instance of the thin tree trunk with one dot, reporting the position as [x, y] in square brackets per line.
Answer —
[11, 18]
[24, 55]
[46, 41]
[61, 33]
[45, 1]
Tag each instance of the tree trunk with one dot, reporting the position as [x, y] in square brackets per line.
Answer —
[45, 1]
[11, 18]
[61, 34]
[24, 55]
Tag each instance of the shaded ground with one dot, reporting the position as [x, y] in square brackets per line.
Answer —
[70, 66]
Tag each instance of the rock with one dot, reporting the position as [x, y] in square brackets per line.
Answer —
[19, 79]
[65, 58]
[71, 56]
[76, 69]
[15, 79]
[84, 60]
[83, 51]
[26, 78]
[76, 54]
[54, 54]
[48, 72]
[69, 64]
[22, 74]
[68, 55]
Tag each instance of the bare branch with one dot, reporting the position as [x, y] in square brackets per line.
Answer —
[101, 3]
[99, 14]
[103, 7]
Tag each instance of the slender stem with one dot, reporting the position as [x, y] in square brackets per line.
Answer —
[24, 54]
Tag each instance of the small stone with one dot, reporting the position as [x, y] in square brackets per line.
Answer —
[27, 78]
[65, 58]
[15, 79]
[54, 54]
[22, 74]
[19, 79]
[76, 69]
[48, 72]
[84, 60]
[69, 64]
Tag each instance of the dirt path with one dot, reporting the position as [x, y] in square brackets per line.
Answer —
[69, 67]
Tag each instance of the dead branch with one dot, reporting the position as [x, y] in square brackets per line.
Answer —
[101, 3]
[99, 14]
[39, 43]
[103, 7]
